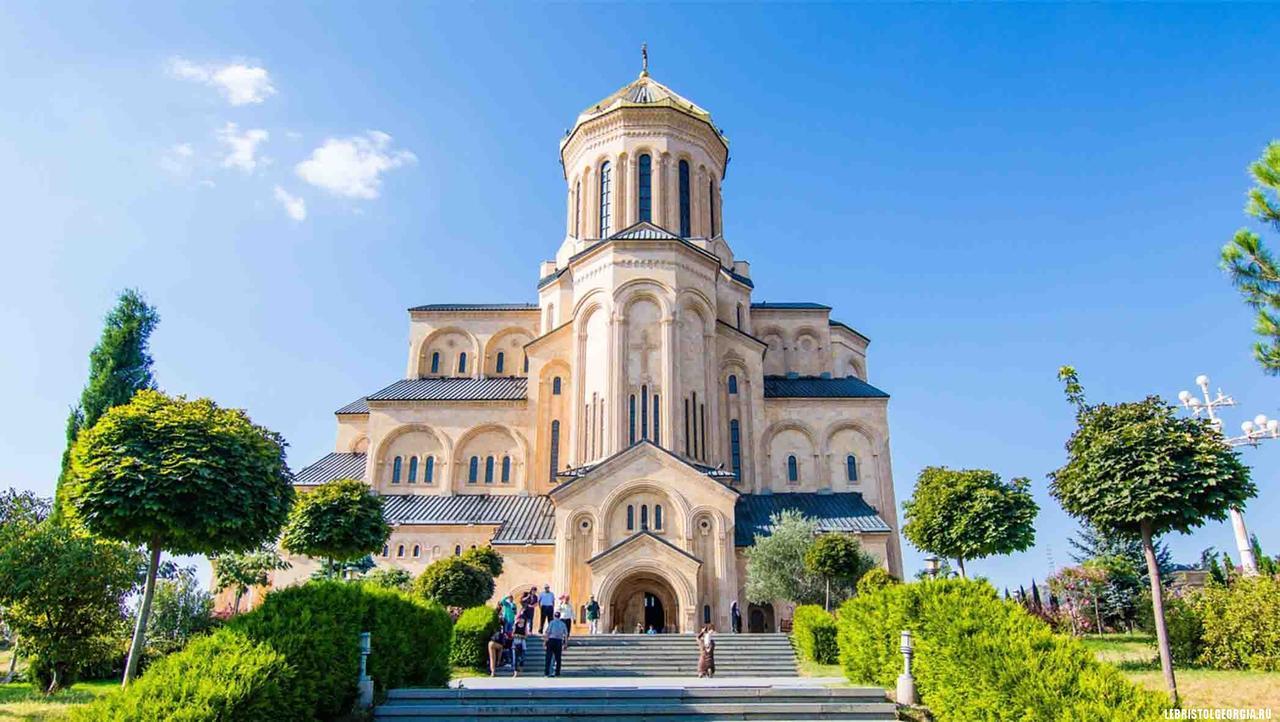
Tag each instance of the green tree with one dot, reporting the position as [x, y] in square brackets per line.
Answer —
[119, 367]
[839, 558]
[338, 521]
[1138, 469]
[485, 558]
[775, 563]
[454, 583]
[187, 477]
[390, 578]
[241, 571]
[969, 514]
[181, 609]
[1251, 266]
[1267, 566]
[19, 512]
[63, 593]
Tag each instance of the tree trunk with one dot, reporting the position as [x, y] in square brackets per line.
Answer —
[144, 611]
[828, 605]
[235, 606]
[1157, 606]
[960, 563]
[55, 678]
[13, 662]
[1097, 616]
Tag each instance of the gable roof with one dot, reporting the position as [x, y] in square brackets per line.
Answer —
[520, 519]
[644, 231]
[816, 387]
[789, 306]
[359, 406]
[330, 467]
[505, 388]
[842, 512]
[719, 475]
[476, 307]
[638, 535]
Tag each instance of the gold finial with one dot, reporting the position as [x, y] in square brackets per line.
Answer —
[644, 60]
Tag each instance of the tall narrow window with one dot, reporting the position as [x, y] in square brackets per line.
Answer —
[399, 550]
[702, 427]
[457, 550]
[526, 363]
[735, 447]
[739, 316]
[429, 470]
[395, 470]
[417, 551]
[435, 362]
[851, 467]
[555, 386]
[462, 362]
[657, 428]
[631, 518]
[711, 205]
[657, 517]
[644, 517]
[606, 190]
[577, 210]
[506, 470]
[386, 552]
[793, 469]
[488, 470]
[733, 384]
[685, 229]
[631, 419]
[497, 366]
[413, 470]
[695, 425]
[686, 428]
[644, 411]
[706, 614]
[645, 186]
[473, 471]
[555, 448]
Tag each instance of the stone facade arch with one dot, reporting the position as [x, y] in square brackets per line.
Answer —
[684, 591]
[484, 441]
[510, 342]
[382, 460]
[785, 439]
[613, 511]
[438, 341]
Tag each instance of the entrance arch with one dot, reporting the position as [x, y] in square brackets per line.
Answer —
[760, 618]
[643, 600]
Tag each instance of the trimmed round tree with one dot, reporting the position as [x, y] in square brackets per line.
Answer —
[969, 514]
[454, 582]
[485, 558]
[838, 557]
[186, 477]
[338, 521]
[1138, 469]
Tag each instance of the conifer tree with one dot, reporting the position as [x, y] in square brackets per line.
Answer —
[1249, 263]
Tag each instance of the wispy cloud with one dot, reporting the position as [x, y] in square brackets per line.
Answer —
[242, 148]
[353, 167]
[177, 159]
[239, 82]
[293, 205]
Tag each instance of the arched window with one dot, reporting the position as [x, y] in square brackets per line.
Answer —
[506, 470]
[644, 411]
[735, 447]
[462, 362]
[685, 229]
[497, 366]
[413, 470]
[473, 472]
[657, 428]
[457, 550]
[386, 551]
[657, 517]
[711, 205]
[555, 386]
[395, 471]
[555, 448]
[435, 362]
[631, 419]
[739, 316]
[488, 470]
[851, 467]
[429, 470]
[706, 614]
[631, 518]
[606, 189]
[577, 209]
[417, 551]
[793, 469]
[400, 550]
[733, 384]
[644, 517]
[645, 188]
[526, 363]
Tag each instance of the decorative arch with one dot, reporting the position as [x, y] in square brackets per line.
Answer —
[384, 446]
[359, 445]
[462, 452]
[677, 509]
[643, 288]
[594, 300]
[499, 342]
[777, 456]
[449, 360]
[697, 301]
[684, 591]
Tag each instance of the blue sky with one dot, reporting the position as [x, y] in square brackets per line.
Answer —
[987, 192]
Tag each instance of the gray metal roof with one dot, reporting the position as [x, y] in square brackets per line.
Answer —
[506, 388]
[520, 519]
[718, 473]
[333, 466]
[644, 231]
[476, 307]
[790, 306]
[815, 387]
[637, 535]
[840, 324]
[843, 512]
[359, 406]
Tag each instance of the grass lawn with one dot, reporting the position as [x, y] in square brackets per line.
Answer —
[813, 669]
[20, 701]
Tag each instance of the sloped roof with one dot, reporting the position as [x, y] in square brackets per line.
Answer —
[720, 475]
[645, 92]
[790, 306]
[637, 535]
[333, 466]
[507, 388]
[644, 231]
[359, 406]
[520, 519]
[476, 307]
[843, 512]
[815, 387]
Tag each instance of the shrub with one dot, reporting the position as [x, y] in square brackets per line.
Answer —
[454, 583]
[1185, 629]
[875, 580]
[485, 558]
[814, 631]
[980, 658]
[471, 638]
[1241, 624]
[390, 578]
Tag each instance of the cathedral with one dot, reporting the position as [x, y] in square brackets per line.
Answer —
[630, 434]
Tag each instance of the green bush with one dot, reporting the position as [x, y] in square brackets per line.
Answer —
[875, 580]
[224, 676]
[1185, 628]
[454, 583]
[813, 630]
[978, 658]
[471, 638]
[1241, 624]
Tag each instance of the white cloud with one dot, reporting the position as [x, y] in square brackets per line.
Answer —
[242, 148]
[177, 159]
[352, 167]
[293, 205]
[239, 82]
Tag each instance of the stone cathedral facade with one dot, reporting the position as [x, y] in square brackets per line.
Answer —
[629, 433]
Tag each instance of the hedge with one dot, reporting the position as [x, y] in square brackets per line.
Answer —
[313, 630]
[978, 658]
[471, 638]
[1240, 624]
[813, 630]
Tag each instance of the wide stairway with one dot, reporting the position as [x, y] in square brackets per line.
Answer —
[667, 655]
[661, 704]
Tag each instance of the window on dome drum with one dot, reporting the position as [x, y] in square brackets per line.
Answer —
[428, 472]
[631, 419]
[631, 518]
[417, 551]
[400, 550]
[793, 469]
[685, 229]
[711, 204]
[555, 449]
[645, 187]
[555, 386]
[435, 362]
[851, 467]
[473, 472]
[577, 210]
[644, 517]
[395, 471]
[735, 447]
[606, 182]
[657, 436]
[657, 517]
[733, 384]
[506, 470]
[413, 470]
[462, 362]
[497, 366]
[488, 470]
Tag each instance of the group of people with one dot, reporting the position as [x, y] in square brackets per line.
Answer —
[556, 620]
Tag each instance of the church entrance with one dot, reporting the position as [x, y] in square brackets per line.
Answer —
[644, 601]
[760, 618]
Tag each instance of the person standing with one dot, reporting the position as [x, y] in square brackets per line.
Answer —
[519, 633]
[736, 615]
[593, 615]
[707, 652]
[557, 635]
[495, 652]
[566, 613]
[547, 602]
[507, 608]
[528, 603]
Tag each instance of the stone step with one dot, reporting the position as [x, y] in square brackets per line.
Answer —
[467, 695]
[668, 711]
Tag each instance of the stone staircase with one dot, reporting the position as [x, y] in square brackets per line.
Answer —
[656, 704]
[667, 655]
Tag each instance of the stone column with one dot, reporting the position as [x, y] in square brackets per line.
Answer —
[633, 192]
[658, 174]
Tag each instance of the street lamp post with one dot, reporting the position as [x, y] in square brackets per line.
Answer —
[931, 566]
[1255, 431]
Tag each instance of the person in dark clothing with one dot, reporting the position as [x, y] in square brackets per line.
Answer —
[528, 604]
[557, 635]
[518, 635]
[547, 602]
[736, 615]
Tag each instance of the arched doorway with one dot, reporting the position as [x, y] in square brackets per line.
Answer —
[644, 600]
[760, 618]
